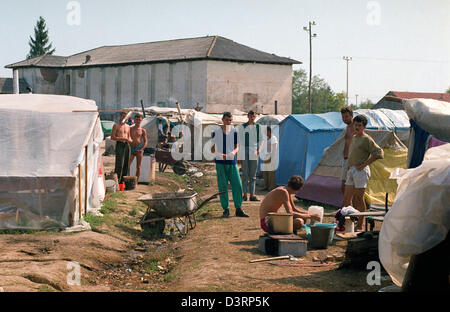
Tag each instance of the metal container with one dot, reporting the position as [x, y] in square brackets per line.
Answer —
[281, 223]
[169, 205]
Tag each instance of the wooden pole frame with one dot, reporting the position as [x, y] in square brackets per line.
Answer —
[79, 191]
[85, 179]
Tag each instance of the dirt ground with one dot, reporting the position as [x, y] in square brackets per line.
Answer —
[116, 255]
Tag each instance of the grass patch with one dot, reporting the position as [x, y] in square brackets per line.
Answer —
[134, 211]
[108, 206]
[305, 204]
[94, 221]
[45, 288]
[168, 277]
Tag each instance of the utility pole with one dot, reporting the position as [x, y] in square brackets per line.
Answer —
[308, 29]
[356, 99]
[347, 58]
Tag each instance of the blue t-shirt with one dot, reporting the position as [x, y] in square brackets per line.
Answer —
[224, 144]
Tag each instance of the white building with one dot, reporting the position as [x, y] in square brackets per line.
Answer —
[218, 73]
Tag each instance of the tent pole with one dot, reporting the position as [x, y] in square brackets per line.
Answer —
[85, 179]
[79, 191]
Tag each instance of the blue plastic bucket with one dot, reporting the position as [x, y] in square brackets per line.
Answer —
[324, 225]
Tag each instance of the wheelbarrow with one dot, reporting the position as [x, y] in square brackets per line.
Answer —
[178, 206]
[164, 158]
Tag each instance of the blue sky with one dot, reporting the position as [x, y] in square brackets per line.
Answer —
[399, 45]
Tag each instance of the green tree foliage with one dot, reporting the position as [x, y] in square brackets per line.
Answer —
[366, 104]
[323, 98]
[448, 90]
[39, 45]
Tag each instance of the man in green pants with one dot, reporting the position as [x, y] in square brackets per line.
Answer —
[225, 147]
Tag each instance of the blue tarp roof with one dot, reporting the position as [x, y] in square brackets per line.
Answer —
[316, 122]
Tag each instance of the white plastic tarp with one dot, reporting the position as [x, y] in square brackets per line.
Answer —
[42, 143]
[431, 115]
[420, 216]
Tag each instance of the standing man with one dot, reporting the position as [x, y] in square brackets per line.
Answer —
[347, 118]
[225, 141]
[121, 134]
[362, 152]
[269, 156]
[250, 157]
[138, 144]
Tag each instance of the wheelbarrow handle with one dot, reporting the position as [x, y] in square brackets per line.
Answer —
[208, 199]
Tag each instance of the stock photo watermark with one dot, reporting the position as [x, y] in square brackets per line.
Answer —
[74, 13]
[374, 276]
[202, 141]
[374, 14]
[74, 275]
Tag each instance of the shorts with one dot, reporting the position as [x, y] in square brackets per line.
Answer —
[135, 148]
[357, 178]
[264, 225]
[344, 169]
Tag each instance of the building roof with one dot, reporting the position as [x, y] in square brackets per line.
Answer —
[383, 103]
[202, 48]
[6, 86]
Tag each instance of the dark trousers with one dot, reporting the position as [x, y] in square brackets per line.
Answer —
[123, 152]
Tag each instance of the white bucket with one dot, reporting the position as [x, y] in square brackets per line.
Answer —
[316, 210]
[111, 186]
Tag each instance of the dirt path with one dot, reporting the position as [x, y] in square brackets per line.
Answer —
[118, 256]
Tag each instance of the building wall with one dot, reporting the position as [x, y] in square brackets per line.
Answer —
[217, 86]
[246, 86]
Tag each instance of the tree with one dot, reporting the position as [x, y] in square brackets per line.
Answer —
[448, 90]
[366, 104]
[323, 98]
[39, 45]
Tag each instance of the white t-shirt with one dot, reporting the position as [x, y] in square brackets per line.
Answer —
[269, 151]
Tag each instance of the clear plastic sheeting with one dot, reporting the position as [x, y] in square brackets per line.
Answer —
[420, 217]
[49, 171]
[431, 115]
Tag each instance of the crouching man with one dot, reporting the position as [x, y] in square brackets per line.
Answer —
[282, 196]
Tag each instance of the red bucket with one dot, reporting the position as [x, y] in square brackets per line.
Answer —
[122, 187]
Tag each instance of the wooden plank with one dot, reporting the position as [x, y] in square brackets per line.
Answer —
[367, 214]
[286, 236]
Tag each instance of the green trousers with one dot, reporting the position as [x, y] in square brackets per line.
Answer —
[229, 173]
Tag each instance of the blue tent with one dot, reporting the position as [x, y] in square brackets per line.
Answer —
[303, 139]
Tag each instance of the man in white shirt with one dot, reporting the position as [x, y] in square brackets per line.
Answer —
[269, 157]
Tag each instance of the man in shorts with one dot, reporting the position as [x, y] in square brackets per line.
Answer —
[282, 196]
[347, 118]
[138, 144]
[362, 152]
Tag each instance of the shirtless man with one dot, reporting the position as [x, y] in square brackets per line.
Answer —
[347, 118]
[138, 144]
[121, 134]
[282, 196]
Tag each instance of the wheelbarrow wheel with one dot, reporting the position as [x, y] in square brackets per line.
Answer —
[180, 167]
[156, 227]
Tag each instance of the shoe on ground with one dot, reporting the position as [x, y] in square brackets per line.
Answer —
[241, 213]
[244, 198]
[226, 213]
[253, 198]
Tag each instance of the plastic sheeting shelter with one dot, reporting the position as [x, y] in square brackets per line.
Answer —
[324, 184]
[51, 162]
[304, 138]
[430, 126]
[419, 219]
